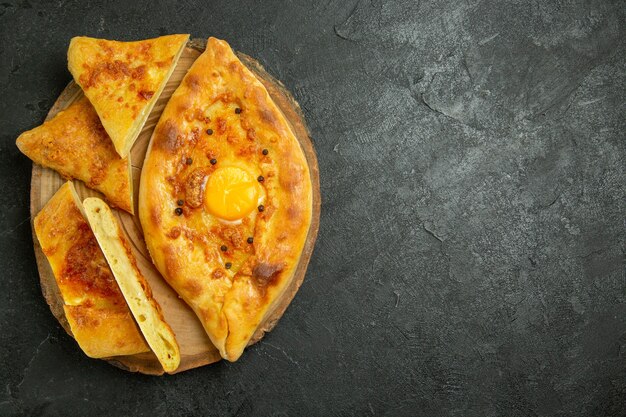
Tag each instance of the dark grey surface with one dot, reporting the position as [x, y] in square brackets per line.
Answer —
[471, 257]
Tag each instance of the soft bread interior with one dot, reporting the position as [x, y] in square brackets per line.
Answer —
[137, 126]
[133, 285]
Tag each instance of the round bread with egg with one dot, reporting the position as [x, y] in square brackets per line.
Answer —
[225, 198]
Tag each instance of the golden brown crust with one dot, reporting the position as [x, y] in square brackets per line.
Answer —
[104, 332]
[75, 144]
[123, 79]
[201, 122]
[94, 306]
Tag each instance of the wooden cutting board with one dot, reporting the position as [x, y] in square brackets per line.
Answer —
[195, 347]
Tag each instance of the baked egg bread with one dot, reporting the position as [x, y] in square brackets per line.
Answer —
[123, 80]
[95, 309]
[225, 199]
[132, 283]
[75, 144]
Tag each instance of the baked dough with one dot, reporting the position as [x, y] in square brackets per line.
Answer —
[123, 80]
[132, 283]
[225, 199]
[75, 144]
[96, 311]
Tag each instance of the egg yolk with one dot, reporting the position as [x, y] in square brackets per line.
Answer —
[231, 193]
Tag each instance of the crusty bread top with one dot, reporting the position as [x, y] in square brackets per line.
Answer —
[75, 144]
[123, 80]
[94, 306]
[221, 116]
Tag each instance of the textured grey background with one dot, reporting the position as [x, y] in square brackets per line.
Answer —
[471, 257]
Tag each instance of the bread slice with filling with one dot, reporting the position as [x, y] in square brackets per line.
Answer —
[123, 80]
[96, 311]
[74, 144]
[132, 283]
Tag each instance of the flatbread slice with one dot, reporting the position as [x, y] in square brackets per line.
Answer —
[75, 144]
[132, 283]
[123, 80]
[225, 199]
[97, 313]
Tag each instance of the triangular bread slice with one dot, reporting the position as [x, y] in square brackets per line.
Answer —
[95, 309]
[123, 80]
[132, 283]
[75, 144]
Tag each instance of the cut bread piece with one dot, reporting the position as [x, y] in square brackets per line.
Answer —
[75, 144]
[123, 80]
[133, 285]
[96, 311]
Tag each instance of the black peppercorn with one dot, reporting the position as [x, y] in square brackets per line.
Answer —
[213, 161]
[238, 110]
[265, 151]
[250, 240]
[209, 131]
[178, 211]
[260, 179]
[224, 248]
[189, 161]
[228, 265]
[261, 207]
[180, 202]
